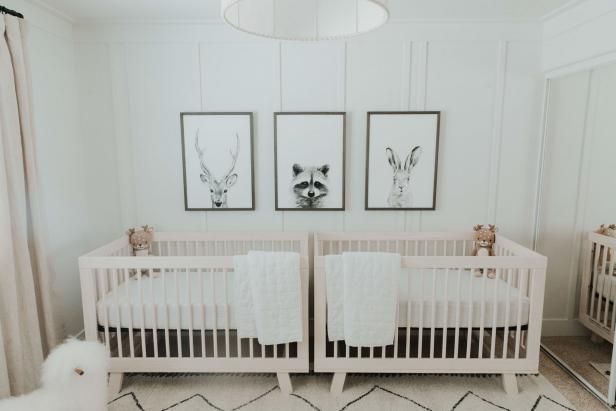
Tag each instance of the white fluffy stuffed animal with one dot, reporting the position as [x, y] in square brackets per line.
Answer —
[74, 378]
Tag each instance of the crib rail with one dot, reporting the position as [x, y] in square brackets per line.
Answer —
[598, 289]
[494, 327]
[173, 311]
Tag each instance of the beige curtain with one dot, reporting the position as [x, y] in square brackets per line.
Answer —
[27, 328]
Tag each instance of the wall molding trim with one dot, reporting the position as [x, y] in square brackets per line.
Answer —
[497, 131]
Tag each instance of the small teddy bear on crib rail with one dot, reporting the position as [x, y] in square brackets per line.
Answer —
[140, 241]
[484, 245]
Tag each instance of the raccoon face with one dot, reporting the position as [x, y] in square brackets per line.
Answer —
[309, 184]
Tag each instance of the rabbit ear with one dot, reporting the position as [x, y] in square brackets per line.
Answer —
[394, 160]
[412, 158]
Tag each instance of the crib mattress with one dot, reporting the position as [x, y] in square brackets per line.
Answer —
[171, 300]
[159, 303]
[439, 299]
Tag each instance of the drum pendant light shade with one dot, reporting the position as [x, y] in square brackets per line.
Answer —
[305, 19]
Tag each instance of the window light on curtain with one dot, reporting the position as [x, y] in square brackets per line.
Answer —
[305, 19]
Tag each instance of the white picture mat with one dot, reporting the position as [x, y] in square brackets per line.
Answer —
[217, 138]
[310, 140]
[402, 132]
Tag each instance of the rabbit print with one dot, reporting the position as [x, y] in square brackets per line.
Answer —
[401, 160]
[400, 195]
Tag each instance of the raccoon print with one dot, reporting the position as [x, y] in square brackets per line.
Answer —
[310, 185]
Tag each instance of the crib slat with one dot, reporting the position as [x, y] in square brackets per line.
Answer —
[114, 284]
[494, 312]
[226, 312]
[603, 280]
[457, 327]
[608, 278]
[215, 307]
[421, 316]
[191, 346]
[445, 311]
[408, 314]
[141, 313]
[483, 310]
[131, 337]
[103, 293]
[203, 313]
[519, 316]
[595, 276]
[164, 273]
[507, 313]
[178, 308]
[154, 307]
[433, 313]
[469, 333]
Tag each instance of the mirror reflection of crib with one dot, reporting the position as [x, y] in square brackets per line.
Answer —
[597, 297]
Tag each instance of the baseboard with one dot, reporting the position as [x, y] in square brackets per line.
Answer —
[561, 327]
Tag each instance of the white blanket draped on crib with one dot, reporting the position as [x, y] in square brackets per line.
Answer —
[268, 294]
[367, 292]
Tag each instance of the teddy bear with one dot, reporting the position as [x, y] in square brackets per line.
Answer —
[141, 240]
[484, 239]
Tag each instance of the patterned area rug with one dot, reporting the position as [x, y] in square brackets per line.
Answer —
[311, 392]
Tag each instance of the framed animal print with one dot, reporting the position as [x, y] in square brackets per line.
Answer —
[402, 160]
[309, 160]
[217, 156]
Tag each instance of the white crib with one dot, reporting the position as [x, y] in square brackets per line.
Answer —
[173, 311]
[449, 320]
[598, 289]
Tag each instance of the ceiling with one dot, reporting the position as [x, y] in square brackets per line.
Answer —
[400, 9]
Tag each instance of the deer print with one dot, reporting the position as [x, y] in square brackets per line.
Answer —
[400, 195]
[218, 187]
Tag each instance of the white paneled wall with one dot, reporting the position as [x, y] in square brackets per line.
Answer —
[488, 88]
[579, 184]
[486, 79]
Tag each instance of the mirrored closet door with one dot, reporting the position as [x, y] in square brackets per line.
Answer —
[577, 197]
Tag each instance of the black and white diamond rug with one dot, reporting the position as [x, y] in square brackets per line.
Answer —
[215, 392]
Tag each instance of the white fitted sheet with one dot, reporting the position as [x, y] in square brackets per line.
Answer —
[126, 298]
[175, 310]
[499, 309]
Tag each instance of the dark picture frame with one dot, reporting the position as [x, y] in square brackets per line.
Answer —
[405, 162]
[339, 169]
[216, 194]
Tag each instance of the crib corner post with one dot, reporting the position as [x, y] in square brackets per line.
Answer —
[284, 382]
[510, 384]
[89, 298]
[115, 384]
[338, 383]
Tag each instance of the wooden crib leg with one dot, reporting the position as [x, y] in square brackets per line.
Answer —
[510, 384]
[115, 384]
[284, 382]
[338, 383]
[595, 338]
